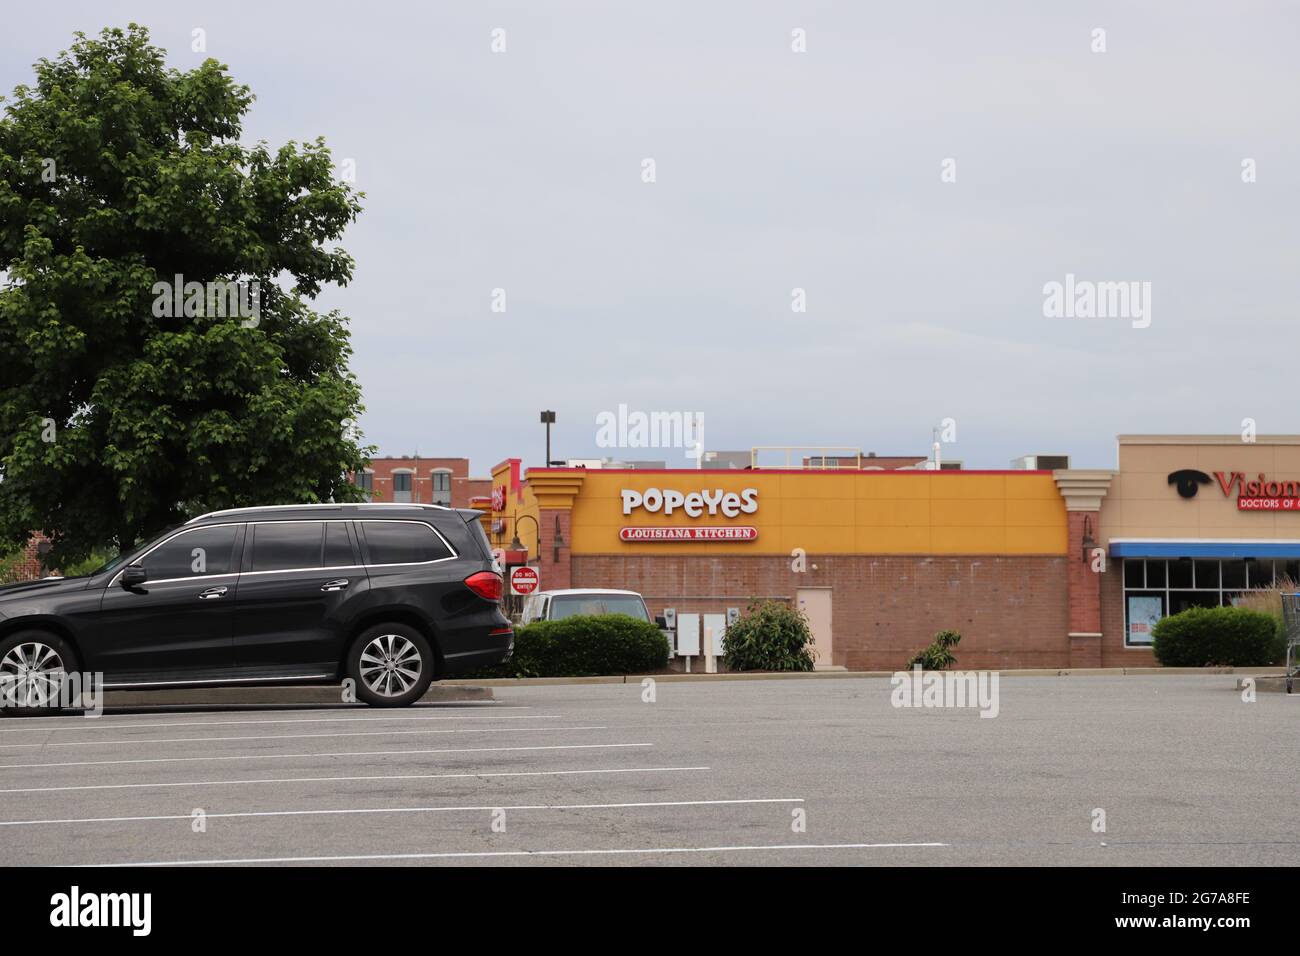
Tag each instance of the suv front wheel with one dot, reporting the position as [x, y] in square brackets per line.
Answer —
[391, 664]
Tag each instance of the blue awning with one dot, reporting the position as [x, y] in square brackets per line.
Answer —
[1201, 548]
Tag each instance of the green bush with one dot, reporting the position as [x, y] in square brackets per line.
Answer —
[585, 646]
[9, 568]
[79, 569]
[1208, 636]
[770, 636]
[939, 654]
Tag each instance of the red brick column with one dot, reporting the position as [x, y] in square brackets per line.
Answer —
[557, 569]
[1085, 591]
[555, 490]
[1083, 491]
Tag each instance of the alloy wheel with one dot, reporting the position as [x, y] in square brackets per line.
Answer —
[31, 675]
[390, 665]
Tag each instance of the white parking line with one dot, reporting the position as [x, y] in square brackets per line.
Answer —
[368, 777]
[276, 756]
[353, 733]
[488, 854]
[97, 725]
[200, 710]
[486, 808]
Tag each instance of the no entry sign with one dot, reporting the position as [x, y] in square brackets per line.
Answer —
[524, 580]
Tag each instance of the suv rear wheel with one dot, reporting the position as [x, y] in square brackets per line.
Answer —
[392, 665]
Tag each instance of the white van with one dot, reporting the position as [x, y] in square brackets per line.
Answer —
[555, 605]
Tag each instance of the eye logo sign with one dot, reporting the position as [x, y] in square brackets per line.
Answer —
[1188, 481]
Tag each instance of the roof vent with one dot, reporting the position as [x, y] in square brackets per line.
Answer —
[1041, 462]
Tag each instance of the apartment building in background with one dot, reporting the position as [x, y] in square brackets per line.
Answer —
[411, 479]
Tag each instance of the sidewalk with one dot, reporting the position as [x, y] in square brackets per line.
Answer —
[481, 690]
[674, 676]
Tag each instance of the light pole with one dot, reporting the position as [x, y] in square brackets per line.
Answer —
[548, 419]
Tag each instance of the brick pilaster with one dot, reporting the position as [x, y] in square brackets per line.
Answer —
[1083, 491]
[556, 566]
[555, 490]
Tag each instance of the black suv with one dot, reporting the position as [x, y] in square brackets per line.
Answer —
[390, 596]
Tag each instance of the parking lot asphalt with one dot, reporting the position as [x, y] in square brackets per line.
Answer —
[729, 773]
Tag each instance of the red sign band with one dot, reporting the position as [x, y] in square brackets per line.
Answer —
[1268, 504]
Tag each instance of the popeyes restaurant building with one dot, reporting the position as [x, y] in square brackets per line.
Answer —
[1066, 568]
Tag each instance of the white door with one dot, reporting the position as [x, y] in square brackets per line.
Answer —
[815, 603]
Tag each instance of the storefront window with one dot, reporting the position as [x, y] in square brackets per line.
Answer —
[1289, 570]
[1180, 573]
[1234, 575]
[1155, 588]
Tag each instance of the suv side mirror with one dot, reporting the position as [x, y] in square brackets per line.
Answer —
[133, 575]
[661, 622]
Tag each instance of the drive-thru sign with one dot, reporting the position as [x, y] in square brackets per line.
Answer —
[524, 580]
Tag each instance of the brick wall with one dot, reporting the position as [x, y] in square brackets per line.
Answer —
[1012, 611]
[463, 487]
[28, 568]
[1113, 651]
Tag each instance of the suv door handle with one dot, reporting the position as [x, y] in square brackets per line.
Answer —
[211, 593]
[336, 585]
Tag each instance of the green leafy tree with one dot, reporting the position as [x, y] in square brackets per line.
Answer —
[117, 418]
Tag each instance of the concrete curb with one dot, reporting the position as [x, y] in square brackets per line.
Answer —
[1271, 684]
[298, 694]
[675, 676]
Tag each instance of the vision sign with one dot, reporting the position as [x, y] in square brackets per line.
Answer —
[716, 502]
[1254, 494]
[1260, 494]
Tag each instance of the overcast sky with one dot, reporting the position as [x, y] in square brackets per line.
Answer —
[778, 170]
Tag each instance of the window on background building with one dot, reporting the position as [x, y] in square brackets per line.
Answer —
[1154, 588]
[365, 480]
[402, 486]
[442, 486]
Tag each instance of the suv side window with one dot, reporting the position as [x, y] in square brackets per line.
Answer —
[338, 547]
[193, 554]
[284, 545]
[403, 542]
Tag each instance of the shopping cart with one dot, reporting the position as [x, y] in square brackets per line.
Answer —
[1291, 617]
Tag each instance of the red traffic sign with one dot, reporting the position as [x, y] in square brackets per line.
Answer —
[524, 580]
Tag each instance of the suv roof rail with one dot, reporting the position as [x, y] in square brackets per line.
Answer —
[321, 504]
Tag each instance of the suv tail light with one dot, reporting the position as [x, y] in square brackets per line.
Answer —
[486, 585]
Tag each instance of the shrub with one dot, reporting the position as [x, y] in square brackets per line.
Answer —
[93, 562]
[770, 636]
[939, 654]
[584, 646]
[1209, 636]
[1269, 601]
[9, 568]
